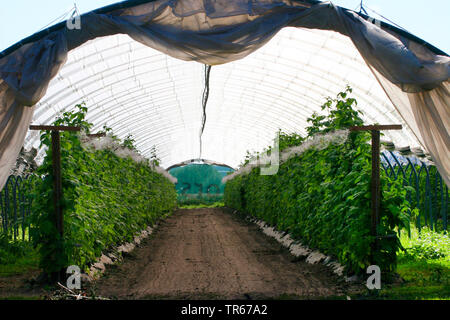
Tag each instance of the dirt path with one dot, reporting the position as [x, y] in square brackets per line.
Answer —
[211, 253]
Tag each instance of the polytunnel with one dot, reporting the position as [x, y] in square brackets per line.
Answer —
[141, 68]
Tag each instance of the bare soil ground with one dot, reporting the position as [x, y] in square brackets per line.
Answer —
[20, 287]
[214, 254]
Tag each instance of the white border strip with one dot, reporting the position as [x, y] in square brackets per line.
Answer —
[299, 250]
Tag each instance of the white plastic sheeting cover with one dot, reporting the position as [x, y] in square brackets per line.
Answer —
[142, 91]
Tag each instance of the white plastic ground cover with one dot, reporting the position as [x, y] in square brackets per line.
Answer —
[99, 267]
[299, 250]
[266, 75]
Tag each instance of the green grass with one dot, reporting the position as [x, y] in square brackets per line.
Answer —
[192, 201]
[17, 257]
[423, 280]
[424, 267]
[21, 265]
[202, 205]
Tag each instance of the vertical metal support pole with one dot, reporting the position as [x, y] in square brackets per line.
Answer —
[375, 186]
[57, 181]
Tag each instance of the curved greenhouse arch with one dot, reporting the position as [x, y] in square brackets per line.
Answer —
[274, 63]
[200, 161]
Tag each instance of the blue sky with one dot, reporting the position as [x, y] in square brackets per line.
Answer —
[21, 18]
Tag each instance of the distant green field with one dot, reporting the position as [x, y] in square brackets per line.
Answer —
[199, 199]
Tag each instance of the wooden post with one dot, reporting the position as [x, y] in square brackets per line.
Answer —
[57, 177]
[375, 184]
[57, 181]
[97, 135]
[56, 163]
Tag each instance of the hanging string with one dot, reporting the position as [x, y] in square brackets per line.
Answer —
[204, 103]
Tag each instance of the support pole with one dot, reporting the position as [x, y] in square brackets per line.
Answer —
[375, 184]
[57, 181]
[56, 163]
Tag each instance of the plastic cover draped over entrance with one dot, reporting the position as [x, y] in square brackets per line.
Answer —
[138, 90]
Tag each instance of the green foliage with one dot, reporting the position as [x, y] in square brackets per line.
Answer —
[16, 257]
[10, 251]
[323, 196]
[424, 275]
[289, 140]
[154, 159]
[341, 114]
[75, 118]
[129, 142]
[429, 245]
[106, 200]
